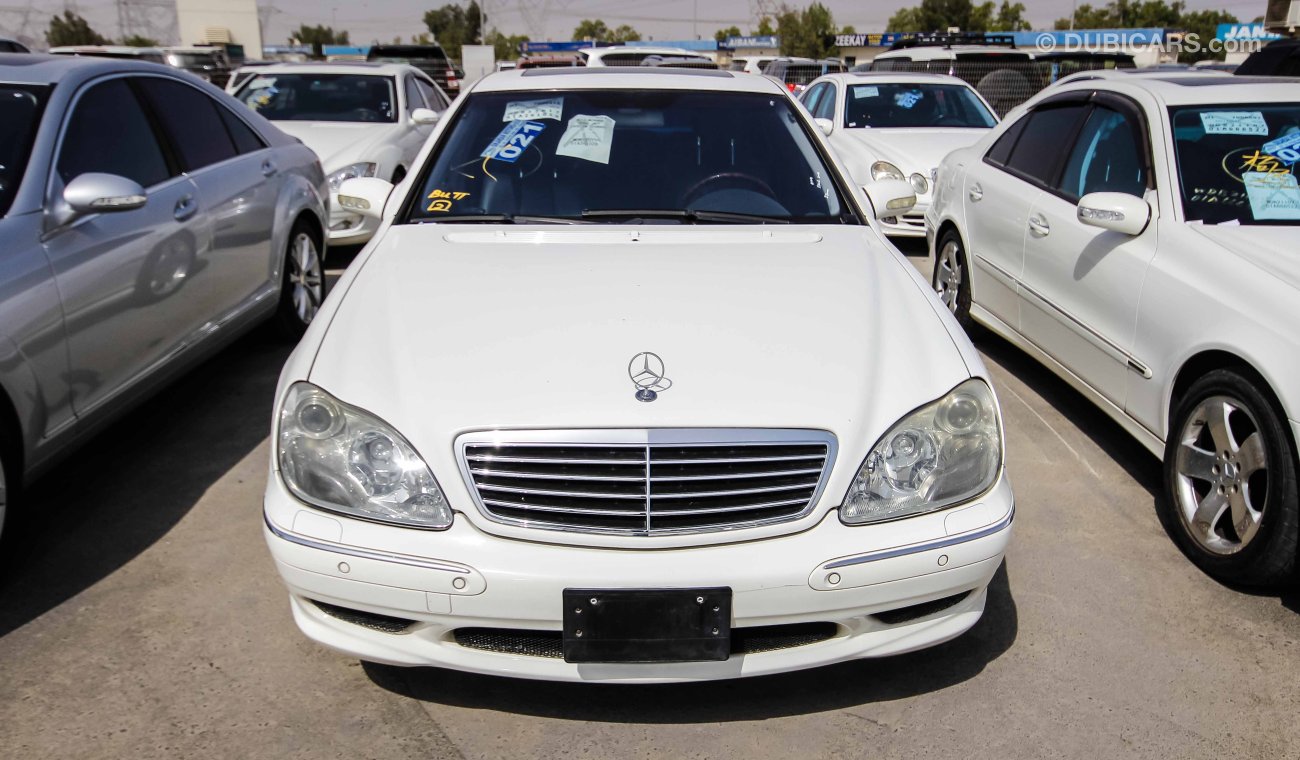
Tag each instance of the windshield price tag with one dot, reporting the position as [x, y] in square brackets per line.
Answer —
[523, 110]
[865, 92]
[1285, 149]
[1272, 195]
[588, 138]
[1234, 123]
[513, 141]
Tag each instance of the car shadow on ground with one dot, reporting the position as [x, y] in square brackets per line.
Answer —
[834, 687]
[129, 485]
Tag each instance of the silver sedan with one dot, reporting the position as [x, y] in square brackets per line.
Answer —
[145, 219]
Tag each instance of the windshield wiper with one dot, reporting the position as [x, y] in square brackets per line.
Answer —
[690, 215]
[502, 219]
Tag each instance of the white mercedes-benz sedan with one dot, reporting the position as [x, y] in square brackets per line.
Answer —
[630, 387]
[888, 125]
[362, 119]
[1137, 236]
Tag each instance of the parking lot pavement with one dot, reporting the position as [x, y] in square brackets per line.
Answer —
[140, 617]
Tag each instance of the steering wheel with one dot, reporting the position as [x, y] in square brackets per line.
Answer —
[700, 188]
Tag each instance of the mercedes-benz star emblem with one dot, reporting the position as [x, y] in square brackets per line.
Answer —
[647, 373]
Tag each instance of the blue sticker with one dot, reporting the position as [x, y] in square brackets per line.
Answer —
[908, 99]
[513, 141]
[1286, 149]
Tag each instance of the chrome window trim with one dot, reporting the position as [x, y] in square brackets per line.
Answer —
[646, 437]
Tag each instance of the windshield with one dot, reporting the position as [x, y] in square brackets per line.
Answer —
[655, 154]
[321, 97]
[1236, 163]
[905, 104]
[20, 112]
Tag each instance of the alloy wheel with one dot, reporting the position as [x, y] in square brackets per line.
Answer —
[306, 277]
[947, 278]
[1221, 483]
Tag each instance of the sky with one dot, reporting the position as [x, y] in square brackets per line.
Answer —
[382, 20]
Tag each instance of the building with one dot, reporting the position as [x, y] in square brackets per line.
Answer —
[220, 22]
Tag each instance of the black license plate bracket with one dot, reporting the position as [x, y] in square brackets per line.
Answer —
[647, 625]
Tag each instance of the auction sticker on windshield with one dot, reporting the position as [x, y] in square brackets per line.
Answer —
[513, 141]
[1272, 195]
[1234, 123]
[587, 137]
[523, 110]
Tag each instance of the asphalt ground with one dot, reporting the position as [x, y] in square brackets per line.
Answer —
[141, 617]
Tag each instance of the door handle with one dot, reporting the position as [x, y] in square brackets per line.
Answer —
[1038, 226]
[976, 193]
[185, 208]
[268, 168]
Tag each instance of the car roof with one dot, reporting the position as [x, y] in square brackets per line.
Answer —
[114, 49]
[940, 52]
[1207, 88]
[38, 68]
[889, 77]
[338, 67]
[623, 78]
[635, 49]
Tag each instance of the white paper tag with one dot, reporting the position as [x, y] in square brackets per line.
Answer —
[865, 92]
[1234, 123]
[523, 110]
[588, 138]
[1272, 195]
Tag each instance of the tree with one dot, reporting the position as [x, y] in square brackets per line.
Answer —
[320, 35]
[507, 47]
[1010, 18]
[71, 29]
[941, 15]
[139, 40]
[591, 30]
[453, 26]
[1158, 14]
[765, 28]
[806, 33]
[722, 34]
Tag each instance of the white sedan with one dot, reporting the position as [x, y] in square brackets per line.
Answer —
[1137, 236]
[890, 125]
[558, 424]
[362, 119]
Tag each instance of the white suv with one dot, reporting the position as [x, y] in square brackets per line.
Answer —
[705, 424]
[1137, 236]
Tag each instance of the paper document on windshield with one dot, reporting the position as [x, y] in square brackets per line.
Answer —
[526, 110]
[1272, 195]
[1234, 123]
[588, 138]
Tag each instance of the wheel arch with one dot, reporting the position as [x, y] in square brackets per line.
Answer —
[1202, 363]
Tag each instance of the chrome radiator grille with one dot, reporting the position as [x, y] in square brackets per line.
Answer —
[670, 482]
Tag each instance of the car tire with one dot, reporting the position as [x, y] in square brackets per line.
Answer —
[302, 288]
[951, 278]
[1230, 498]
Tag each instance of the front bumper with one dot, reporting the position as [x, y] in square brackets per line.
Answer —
[347, 228]
[911, 224]
[481, 581]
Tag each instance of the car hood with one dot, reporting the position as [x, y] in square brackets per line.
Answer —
[912, 150]
[447, 329]
[1270, 248]
[340, 143]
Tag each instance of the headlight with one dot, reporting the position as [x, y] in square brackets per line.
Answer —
[351, 172]
[886, 170]
[942, 454]
[919, 183]
[340, 458]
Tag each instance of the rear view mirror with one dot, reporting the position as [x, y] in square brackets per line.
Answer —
[96, 193]
[890, 197]
[365, 195]
[424, 116]
[1117, 212]
[826, 125]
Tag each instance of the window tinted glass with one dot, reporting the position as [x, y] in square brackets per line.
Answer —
[191, 120]
[414, 99]
[826, 106]
[914, 105]
[890, 64]
[740, 153]
[108, 132]
[321, 97]
[432, 95]
[1039, 146]
[246, 140]
[1106, 157]
[20, 112]
[1001, 149]
[812, 97]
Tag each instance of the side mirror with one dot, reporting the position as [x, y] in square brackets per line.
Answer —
[424, 116]
[96, 193]
[890, 197]
[1117, 212]
[826, 125]
[365, 196]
